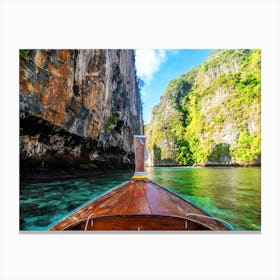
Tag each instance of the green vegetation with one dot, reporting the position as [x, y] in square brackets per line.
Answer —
[248, 147]
[212, 112]
[24, 54]
[220, 151]
[112, 121]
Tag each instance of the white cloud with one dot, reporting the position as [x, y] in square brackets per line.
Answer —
[148, 63]
[143, 93]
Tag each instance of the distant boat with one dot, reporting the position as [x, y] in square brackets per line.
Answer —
[140, 204]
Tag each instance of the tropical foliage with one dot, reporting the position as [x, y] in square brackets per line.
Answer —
[212, 113]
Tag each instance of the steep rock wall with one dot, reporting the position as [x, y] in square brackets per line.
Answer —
[78, 109]
[210, 115]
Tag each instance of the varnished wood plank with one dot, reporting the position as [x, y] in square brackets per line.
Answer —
[139, 143]
[160, 202]
[139, 203]
[118, 204]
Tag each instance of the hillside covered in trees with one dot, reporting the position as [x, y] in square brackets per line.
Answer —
[210, 115]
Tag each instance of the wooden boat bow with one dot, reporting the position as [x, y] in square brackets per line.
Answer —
[139, 204]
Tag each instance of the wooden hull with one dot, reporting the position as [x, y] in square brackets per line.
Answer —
[136, 222]
[139, 205]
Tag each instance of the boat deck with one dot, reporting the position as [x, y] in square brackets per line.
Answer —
[138, 205]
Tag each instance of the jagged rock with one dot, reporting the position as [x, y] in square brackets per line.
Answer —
[78, 108]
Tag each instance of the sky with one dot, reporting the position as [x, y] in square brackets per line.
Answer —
[158, 67]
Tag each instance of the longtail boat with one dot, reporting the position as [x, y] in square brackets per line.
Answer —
[140, 204]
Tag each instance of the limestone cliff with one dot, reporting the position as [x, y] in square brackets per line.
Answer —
[210, 115]
[78, 109]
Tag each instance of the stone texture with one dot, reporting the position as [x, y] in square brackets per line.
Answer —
[78, 108]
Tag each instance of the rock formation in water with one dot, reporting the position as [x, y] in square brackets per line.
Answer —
[79, 109]
[211, 115]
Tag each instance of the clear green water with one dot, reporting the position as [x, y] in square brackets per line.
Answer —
[232, 194]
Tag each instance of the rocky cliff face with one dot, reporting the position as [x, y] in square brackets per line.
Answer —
[78, 109]
[211, 115]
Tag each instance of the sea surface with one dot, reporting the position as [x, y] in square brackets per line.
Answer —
[232, 194]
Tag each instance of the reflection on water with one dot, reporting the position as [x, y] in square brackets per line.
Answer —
[232, 194]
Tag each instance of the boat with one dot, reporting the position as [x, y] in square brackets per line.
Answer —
[139, 204]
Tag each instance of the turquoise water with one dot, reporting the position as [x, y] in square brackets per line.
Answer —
[43, 203]
[232, 194]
